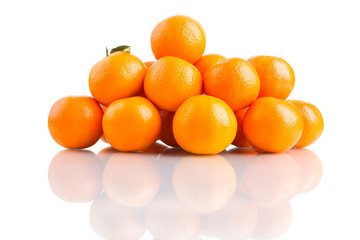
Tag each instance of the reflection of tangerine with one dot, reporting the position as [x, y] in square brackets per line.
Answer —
[237, 220]
[166, 162]
[271, 179]
[75, 175]
[238, 158]
[273, 222]
[204, 183]
[131, 179]
[106, 153]
[113, 221]
[154, 149]
[310, 168]
[167, 219]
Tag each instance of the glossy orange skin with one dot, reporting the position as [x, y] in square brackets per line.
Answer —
[119, 75]
[131, 124]
[313, 123]
[277, 78]
[272, 125]
[240, 139]
[178, 36]
[233, 80]
[75, 122]
[170, 81]
[204, 125]
[167, 134]
[206, 61]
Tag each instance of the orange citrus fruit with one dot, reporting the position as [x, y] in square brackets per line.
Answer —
[178, 36]
[119, 75]
[102, 138]
[313, 123]
[131, 124]
[233, 80]
[75, 121]
[166, 133]
[277, 78]
[170, 81]
[148, 64]
[272, 125]
[240, 139]
[206, 61]
[204, 125]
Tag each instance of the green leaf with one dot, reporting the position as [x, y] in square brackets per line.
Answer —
[122, 48]
[107, 52]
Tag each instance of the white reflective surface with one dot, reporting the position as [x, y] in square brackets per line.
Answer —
[166, 193]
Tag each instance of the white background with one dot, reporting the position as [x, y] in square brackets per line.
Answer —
[48, 47]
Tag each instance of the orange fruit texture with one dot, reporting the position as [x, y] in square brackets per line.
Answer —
[206, 61]
[240, 139]
[272, 125]
[119, 75]
[204, 125]
[75, 122]
[277, 78]
[148, 64]
[178, 36]
[166, 133]
[170, 81]
[131, 124]
[313, 123]
[233, 80]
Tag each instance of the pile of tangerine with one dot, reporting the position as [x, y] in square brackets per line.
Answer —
[201, 103]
